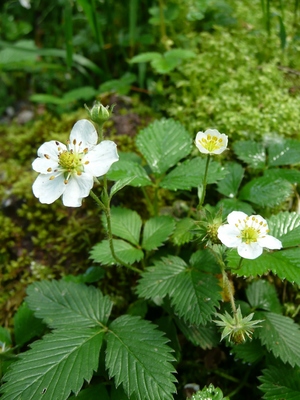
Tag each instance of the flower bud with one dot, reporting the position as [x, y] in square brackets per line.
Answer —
[98, 113]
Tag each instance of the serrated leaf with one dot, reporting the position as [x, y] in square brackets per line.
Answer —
[285, 226]
[54, 366]
[94, 392]
[163, 144]
[261, 294]
[250, 351]
[266, 193]
[252, 153]
[124, 169]
[229, 205]
[156, 231]
[280, 382]
[125, 252]
[284, 263]
[66, 304]
[204, 336]
[205, 261]
[230, 184]
[284, 152]
[190, 174]
[194, 294]
[281, 336]
[183, 231]
[291, 175]
[126, 224]
[138, 358]
[120, 184]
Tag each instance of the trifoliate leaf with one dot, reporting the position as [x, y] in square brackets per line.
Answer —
[163, 144]
[252, 153]
[194, 294]
[125, 169]
[230, 184]
[266, 193]
[183, 231]
[262, 295]
[54, 366]
[138, 358]
[125, 252]
[280, 382]
[126, 224]
[66, 304]
[284, 152]
[249, 351]
[190, 174]
[156, 231]
[281, 336]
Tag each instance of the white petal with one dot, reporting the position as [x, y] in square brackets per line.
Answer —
[44, 166]
[101, 158]
[229, 235]
[77, 188]
[250, 251]
[270, 242]
[85, 132]
[234, 217]
[52, 149]
[48, 190]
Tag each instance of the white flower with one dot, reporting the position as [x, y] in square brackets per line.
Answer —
[211, 141]
[25, 3]
[70, 170]
[249, 234]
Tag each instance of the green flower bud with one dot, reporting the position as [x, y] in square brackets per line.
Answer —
[98, 113]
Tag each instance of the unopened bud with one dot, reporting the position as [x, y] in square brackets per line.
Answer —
[98, 113]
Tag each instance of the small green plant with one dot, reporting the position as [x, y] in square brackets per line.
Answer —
[183, 267]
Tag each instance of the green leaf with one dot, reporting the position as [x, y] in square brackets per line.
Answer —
[164, 64]
[127, 180]
[26, 325]
[66, 304]
[91, 275]
[156, 231]
[284, 263]
[229, 205]
[194, 294]
[125, 252]
[146, 57]
[190, 174]
[5, 336]
[183, 231]
[285, 226]
[252, 153]
[230, 184]
[266, 193]
[125, 169]
[281, 336]
[290, 175]
[126, 224]
[54, 366]
[163, 144]
[249, 352]
[284, 152]
[146, 368]
[204, 336]
[261, 294]
[280, 382]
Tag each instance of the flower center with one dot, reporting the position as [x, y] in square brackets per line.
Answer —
[211, 143]
[250, 235]
[70, 161]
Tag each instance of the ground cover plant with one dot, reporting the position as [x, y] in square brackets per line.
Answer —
[162, 263]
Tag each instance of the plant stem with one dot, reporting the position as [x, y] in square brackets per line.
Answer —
[228, 288]
[204, 183]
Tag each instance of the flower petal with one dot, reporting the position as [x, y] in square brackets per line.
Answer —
[51, 149]
[229, 235]
[100, 158]
[44, 166]
[48, 190]
[270, 242]
[85, 133]
[250, 251]
[234, 217]
[77, 188]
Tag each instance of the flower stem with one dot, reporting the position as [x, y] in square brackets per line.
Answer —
[106, 209]
[204, 183]
[228, 288]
